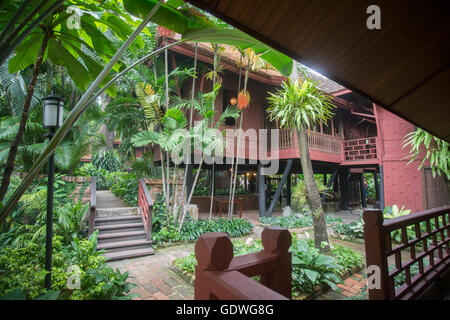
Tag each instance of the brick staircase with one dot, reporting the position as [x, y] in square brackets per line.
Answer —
[121, 233]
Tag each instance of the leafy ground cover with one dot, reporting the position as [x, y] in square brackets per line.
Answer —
[296, 221]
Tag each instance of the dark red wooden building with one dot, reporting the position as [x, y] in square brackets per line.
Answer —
[361, 138]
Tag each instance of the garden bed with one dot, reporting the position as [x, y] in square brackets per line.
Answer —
[313, 273]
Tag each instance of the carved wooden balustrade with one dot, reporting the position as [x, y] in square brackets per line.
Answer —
[220, 276]
[360, 149]
[418, 244]
[316, 141]
[145, 205]
[323, 142]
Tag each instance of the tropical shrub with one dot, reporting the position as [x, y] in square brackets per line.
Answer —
[352, 230]
[311, 269]
[126, 187]
[192, 229]
[394, 211]
[300, 193]
[104, 179]
[186, 264]
[23, 268]
[350, 260]
[108, 160]
[296, 221]
[235, 227]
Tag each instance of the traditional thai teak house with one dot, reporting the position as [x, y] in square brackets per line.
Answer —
[361, 138]
[400, 65]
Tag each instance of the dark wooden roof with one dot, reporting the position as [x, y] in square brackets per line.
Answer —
[404, 67]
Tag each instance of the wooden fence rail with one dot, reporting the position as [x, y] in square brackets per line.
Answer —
[418, 245]
[219, 276]
[145, 205]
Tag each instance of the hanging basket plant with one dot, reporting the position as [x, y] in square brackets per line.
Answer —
[243, 99]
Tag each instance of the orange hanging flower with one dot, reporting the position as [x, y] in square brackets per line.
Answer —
[243, 99]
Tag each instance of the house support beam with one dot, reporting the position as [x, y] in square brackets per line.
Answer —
[343, 186]
[363, 191]
[286, 173]
[261, 187]
[329, 184]
[377, 190]
[288, 190]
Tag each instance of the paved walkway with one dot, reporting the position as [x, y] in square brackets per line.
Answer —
[153, 277]
[155, 280]
[107, 199]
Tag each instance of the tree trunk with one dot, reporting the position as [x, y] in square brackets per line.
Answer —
[9, 166]
[320, 227]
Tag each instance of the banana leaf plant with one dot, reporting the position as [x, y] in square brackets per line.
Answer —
[190, 26]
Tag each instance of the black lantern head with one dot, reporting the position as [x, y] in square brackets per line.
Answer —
[53, 111]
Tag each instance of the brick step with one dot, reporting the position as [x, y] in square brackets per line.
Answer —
[120, 236]
[110, 256]
[117, 220]
[121, 227]
[125, 245]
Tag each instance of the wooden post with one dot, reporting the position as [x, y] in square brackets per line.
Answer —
[377, 191]
[288, 190]
[363, 191]
[374, 239]
[278, 240]
[287, 172]
[343, 186]
[214, 252]
[261, 192]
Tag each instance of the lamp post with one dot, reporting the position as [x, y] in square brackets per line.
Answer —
[52, 119]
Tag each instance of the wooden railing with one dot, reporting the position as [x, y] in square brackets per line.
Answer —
[220, 276]
[323, 142]
[360, 149]
[92, 204]
[423, 238]
[316, 141]
[145, 205]
[285, 138]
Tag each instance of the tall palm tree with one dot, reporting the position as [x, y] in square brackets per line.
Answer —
[299, 105]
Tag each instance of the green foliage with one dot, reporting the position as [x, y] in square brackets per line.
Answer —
[108, 160]
[104, 178]
[83, 51]
[186, 264]
[299, 104]
[395, 211]
[19, 294]
[352, 230]
[433, 149]
[300, 193]
[126, 187]
[350, 260]
[192, 229]
[23, 268]
[235, 227]
[296, 221]
[200, 28]
[311, 269]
